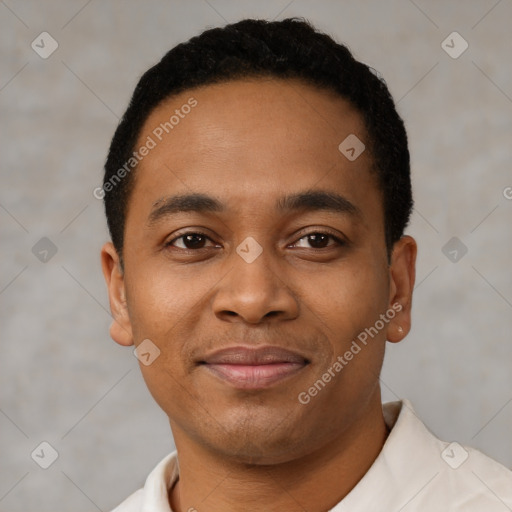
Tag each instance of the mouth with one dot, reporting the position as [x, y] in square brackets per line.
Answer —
[254, 368]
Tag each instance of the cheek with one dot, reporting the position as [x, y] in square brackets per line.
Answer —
[164, 308]
[348, 299]
[158, 301]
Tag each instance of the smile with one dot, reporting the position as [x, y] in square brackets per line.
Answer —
[254, 368]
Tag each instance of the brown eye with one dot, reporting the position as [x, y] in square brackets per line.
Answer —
[318, 240]
[189, 241]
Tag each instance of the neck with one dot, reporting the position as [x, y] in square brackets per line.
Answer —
[315, 482]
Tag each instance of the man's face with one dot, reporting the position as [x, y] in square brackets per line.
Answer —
[321, 279]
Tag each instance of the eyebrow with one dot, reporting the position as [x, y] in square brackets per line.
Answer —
[311, 200]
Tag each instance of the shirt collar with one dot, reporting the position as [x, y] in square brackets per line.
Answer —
[408, 462]
[160, 480]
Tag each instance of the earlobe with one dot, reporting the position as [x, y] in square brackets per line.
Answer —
[402, 272]
[120, 330]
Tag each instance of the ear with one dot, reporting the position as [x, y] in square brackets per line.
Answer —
[402, 272]
[121, 329]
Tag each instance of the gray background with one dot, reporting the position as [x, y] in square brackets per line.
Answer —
[64, 381]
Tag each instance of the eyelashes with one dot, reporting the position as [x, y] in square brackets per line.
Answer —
[319, 237]
[191, 237]
[196, 240]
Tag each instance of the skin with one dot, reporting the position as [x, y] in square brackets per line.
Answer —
[247, 143]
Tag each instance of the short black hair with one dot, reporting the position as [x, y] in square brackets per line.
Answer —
[288, 49]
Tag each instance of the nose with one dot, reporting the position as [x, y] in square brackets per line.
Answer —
[254, 293]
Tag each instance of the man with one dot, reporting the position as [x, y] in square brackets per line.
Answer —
[256, 191]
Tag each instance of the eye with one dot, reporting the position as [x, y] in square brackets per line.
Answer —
[318, 240]
[189, 241]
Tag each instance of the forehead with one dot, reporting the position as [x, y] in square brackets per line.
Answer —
[253, 110]
[251, 139]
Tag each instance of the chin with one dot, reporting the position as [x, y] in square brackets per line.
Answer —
[261, 446]
[250, 456]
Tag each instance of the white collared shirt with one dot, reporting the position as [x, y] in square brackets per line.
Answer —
[414, 472]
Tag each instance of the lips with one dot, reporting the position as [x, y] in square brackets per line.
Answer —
[253, 368]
